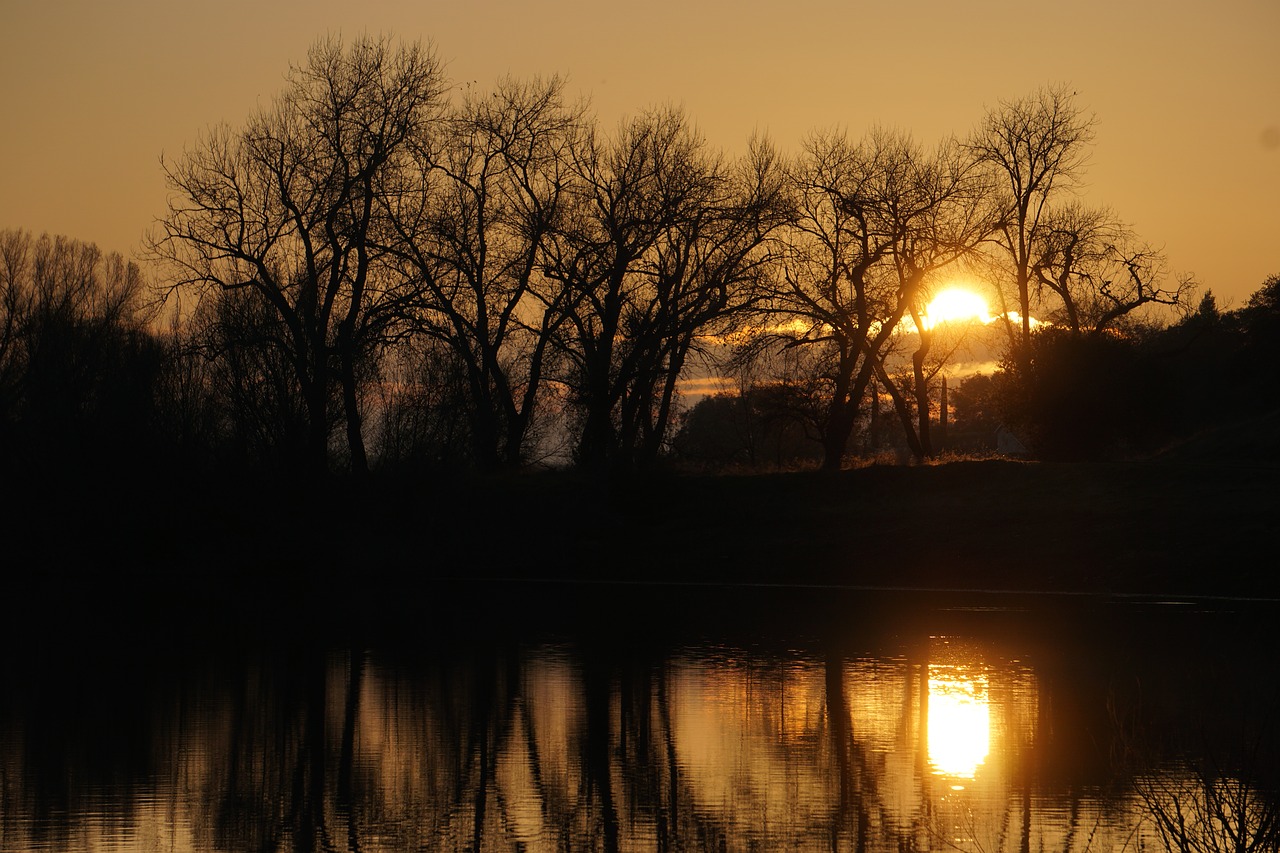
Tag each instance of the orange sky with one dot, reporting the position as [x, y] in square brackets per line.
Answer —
[1187, 93]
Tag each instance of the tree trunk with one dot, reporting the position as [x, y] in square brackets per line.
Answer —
[942, 418]
[351, 410]
[315, 393]
[904, 415]
[922, 392]
[347, 342]
[484, 437]
[873, 425]
[842, 415]
[596, 441]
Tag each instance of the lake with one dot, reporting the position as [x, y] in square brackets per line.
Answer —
[562, 716]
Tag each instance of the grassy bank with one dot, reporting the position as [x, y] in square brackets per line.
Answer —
[1185, 524]
[1136, 527]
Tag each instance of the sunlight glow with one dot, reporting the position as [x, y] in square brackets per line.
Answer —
[956, 305]
[1016, 319]
[959, 722]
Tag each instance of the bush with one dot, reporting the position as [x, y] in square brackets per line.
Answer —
[1085, 397]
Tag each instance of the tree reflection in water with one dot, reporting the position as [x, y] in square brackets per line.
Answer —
[1203, 784]
[610, 745]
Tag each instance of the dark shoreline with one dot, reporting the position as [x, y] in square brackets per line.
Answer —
[1138, 528]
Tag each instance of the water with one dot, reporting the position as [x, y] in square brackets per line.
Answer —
[558, 717]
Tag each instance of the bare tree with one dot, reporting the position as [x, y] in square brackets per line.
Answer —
[469, 230]
[958, 216]
[1037, 147]
[75, 358]
[1098, 269]
[16, 295]
[875, 223]
[663, 240]
[829, 291]
[249, 375]
[707, 274]
[423, 412]
[285, 208]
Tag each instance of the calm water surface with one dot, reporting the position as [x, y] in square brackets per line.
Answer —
[630, 718]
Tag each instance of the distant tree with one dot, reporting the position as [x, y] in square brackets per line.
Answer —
[423, 412]
[787, 384]
[1209, 370]
[765, 426]
[189, 417]
[16, 297]
[978, 413]
[717, 432]
[285, 208]
[1266, 297]
[77, 364]
[1088, 397]
[1259, 324]
[1207, 310]
[264, 417]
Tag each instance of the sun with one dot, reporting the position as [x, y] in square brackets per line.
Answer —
[956, 305]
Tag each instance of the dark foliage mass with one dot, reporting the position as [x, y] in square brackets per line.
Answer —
[1087, 397]
[379, 271]
[1126, 395]
[78, 366]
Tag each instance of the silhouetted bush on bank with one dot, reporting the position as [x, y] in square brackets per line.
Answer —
[1081, 397]
[767, 427]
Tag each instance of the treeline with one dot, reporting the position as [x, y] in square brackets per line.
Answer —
[1127, 393]
[380, 269]
[1132, 394]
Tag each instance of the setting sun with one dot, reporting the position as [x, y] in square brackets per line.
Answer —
[956, 305]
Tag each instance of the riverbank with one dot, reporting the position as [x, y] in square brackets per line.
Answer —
[1185, 524]
[1181, 528]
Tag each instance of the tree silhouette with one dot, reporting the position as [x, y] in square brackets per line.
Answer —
[469, 231]
[875, 222]
[663, 240]
[1037, 147]
[77, 366]
[1098, 269]
[285, 208]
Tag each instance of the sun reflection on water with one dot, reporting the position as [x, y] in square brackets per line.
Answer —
[959, 733]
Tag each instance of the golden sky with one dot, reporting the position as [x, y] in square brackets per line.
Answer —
[1187, 92]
